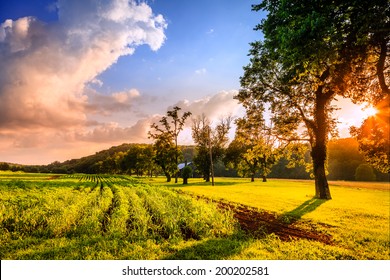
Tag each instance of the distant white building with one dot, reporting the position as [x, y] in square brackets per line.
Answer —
[182, 165]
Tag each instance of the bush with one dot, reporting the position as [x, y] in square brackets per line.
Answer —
[364, 172]
[186, 173]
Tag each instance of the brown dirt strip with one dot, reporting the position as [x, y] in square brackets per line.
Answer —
[54, 177]
[258, 223]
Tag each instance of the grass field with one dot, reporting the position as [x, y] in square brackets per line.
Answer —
[119, 217]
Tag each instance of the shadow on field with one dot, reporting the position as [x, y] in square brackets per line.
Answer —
[305, 208]
[213, 249]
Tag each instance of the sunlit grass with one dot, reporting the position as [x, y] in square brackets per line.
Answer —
[357, 216]
[114, 217]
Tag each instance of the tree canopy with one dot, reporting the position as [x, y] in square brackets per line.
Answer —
[210, 143]
[165, 136]
[312, 52]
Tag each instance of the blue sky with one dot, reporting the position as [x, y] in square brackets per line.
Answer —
[205, 50]
[81, 76]
[66, 94]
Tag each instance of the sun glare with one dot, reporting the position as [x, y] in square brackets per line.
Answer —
[369, 111]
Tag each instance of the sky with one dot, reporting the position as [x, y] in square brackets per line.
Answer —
[77, 77]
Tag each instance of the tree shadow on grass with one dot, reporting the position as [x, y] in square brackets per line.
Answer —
[303, 209]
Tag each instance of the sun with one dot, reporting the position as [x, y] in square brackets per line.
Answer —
[369, 111]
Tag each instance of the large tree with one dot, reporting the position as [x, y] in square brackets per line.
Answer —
[310, 53]
[166, 136]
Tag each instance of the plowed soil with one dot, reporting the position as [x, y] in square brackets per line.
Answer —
[259, 223]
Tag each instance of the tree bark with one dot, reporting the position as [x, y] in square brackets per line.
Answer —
[319, 151]
[321, 183]
[169, 178]
[264, 178]
[253, 178]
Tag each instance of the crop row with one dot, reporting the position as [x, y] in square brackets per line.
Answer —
[119, 208]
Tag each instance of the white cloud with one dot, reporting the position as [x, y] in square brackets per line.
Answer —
[201, 71]
[97, 82]
[46, 66]
[214, 107]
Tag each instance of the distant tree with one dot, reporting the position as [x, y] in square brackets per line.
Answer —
[210, 143]
[4, 166]
[253, 149]
[344, 158]
[186, 173]
[166, 136]
[312, 53]
[138, 160]
[130, 159]
[364, 172]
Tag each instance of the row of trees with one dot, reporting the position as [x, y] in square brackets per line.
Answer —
[254, 152]
[345, 163]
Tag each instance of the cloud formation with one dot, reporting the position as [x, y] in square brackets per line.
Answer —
[46, 66]
[49, 109]
[214, 107]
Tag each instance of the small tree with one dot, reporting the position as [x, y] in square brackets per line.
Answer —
[186, 173]
[210, 143]
[364, 172]
[253, 149]
[166, 143]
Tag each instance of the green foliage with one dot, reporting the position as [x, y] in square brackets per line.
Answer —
[364, 172]
[313, 52]
[254, 149]
[210, 143]
[165, 135]
[186, 173]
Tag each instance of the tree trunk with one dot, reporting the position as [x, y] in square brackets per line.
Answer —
[321, 183]
[185, 181]
[264, 178]
[253, 178]
[168, 177]
[319, 151]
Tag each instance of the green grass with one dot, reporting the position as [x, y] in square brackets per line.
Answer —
[357, 217]
[100, 217]
[118, 217]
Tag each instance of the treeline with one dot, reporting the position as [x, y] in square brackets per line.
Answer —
[344, 163]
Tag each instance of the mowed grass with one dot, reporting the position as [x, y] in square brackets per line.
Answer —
[119, 217]
[357, 217]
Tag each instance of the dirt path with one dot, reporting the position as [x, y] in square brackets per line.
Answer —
[258, 223]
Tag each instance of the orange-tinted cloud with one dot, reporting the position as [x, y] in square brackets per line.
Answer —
[46, 66]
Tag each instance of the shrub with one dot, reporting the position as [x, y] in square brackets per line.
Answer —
[186, 173]
[364, 172]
